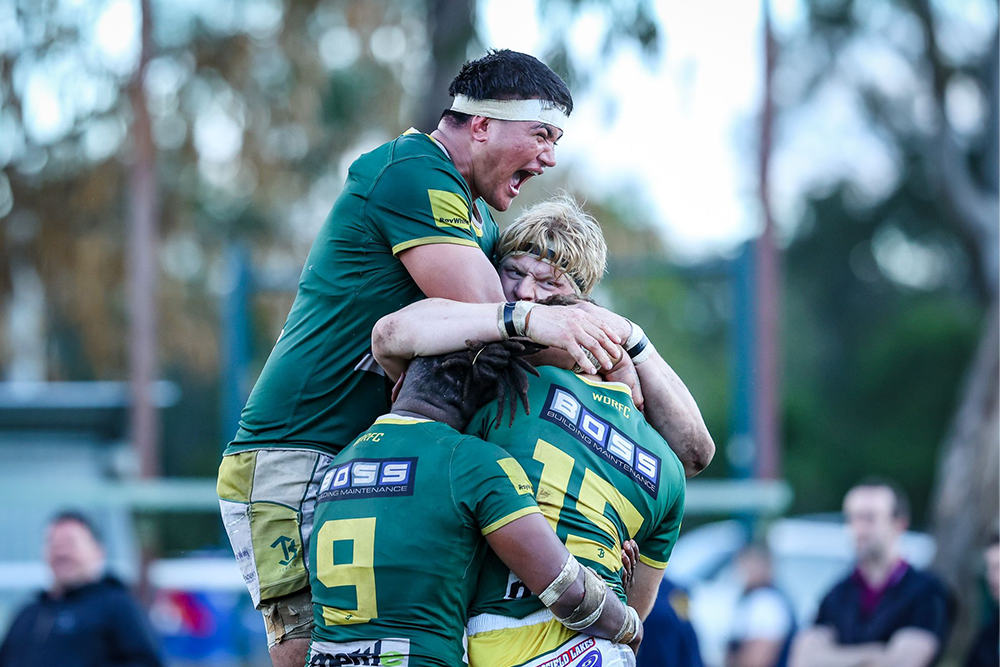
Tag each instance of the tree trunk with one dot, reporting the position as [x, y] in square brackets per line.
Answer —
[142, 267]
[452, 29]
[967, 489]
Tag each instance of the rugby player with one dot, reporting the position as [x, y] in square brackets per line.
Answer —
[604, 475]
[401, 518]
[553, 249]
[412, 220]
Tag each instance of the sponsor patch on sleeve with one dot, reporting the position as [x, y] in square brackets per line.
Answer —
[369, 478]
[449, 209]
[516, 475]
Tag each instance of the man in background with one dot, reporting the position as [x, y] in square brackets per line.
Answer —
[885, 612]
[669, 637]
[87, 618]
[985, 650]
[764, 621]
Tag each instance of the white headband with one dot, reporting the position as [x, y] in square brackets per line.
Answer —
[540, 110]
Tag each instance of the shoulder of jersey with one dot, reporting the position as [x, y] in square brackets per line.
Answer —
[417, 144]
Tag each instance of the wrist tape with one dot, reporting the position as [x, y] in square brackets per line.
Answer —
[589, 610]
[552, 592]
[630, 627]
[638, 346]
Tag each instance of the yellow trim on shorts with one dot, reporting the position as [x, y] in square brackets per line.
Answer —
[613, 386]
[513, 516]
[510, 647]
[431, 240]
[659, 565]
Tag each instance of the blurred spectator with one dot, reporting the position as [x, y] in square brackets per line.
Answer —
[986, 649]
[885, 612]
[87, 618]
[764, 620]
[669, 638]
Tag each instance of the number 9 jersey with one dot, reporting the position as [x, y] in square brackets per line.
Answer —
[398, 542]
[602, 475]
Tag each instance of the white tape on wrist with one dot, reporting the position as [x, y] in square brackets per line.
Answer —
[589, 620]
[521, 311]
[645, 354]
[500, 323]
[630, 627]
[634, 337]
[595, 595]
[565, 578]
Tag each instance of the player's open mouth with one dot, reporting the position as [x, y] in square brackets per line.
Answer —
[518, 179]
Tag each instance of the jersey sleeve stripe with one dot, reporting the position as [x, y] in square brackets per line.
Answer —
[513, 516]
[659, 565]
[430, 240]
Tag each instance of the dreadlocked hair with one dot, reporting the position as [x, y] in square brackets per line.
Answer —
[493, 370]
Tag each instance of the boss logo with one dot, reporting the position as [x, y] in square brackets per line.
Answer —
[369, 478]
[564, 409]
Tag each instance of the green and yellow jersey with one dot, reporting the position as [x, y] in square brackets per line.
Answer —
[398, 542]
[314, 391]
[602, 475]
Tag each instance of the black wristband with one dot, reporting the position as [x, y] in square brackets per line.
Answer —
[636, 349]
[508, 319]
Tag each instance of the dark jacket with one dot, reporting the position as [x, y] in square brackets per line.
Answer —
[985, 651]
[96, 625]
[669, 638]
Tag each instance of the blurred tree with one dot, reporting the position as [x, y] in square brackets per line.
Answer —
[902, 274]
[255, 109]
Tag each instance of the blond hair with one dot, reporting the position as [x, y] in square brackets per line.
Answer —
[561, 233]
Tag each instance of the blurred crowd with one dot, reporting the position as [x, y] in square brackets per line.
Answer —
[884, 612]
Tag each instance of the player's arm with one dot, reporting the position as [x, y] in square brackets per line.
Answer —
[425, 215]
[672, 411]
[908, 647]
[668, 405]
[645, 585]
[439, 326]
[754, 653]
[817, 647]
[450, 271]
[575, 595]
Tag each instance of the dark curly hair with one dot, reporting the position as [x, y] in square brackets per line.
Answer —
[471, 378]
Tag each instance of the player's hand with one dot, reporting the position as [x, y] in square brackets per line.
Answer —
[609, 321]
[624, 371]
[578, 332]
[630, 558]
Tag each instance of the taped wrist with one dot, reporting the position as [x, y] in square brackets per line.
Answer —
[552, 592]
[638, 346]
[505, 320]
[589, 610]
[630, 627]
[520, 316]
[633, 338]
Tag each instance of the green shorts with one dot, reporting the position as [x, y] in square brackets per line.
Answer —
[268, 497]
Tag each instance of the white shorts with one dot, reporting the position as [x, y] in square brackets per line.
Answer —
[488, 632]
[586, 651]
